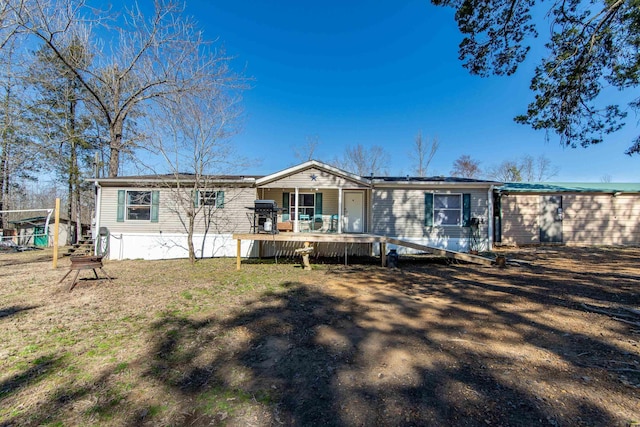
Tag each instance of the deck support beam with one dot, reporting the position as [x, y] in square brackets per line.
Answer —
[347, 239]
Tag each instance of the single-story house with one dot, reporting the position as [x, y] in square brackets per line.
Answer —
[567, 213]
[144, 216]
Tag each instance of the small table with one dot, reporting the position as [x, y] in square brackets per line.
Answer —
[84, 263]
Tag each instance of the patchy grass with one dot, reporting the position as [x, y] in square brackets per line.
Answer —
[552, 340]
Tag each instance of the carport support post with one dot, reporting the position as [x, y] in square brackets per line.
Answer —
[239, 245]
[383, 253]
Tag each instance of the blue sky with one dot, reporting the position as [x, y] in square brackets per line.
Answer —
[379, 72]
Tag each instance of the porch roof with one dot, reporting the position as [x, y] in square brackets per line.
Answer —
[312, 164]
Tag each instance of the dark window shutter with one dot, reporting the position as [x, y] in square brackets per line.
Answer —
[155, 204]
[219, 199]
[121, 202]
[466, 209]
[318, 203]
[428, 209]
[285, 202]
[196, 198]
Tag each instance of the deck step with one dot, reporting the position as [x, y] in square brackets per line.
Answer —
[84, 247]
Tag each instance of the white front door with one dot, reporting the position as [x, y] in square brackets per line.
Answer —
[353, 212]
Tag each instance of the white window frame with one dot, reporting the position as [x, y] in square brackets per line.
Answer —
[460, 209]
[302, 209]
[208, 198]
[128, 206]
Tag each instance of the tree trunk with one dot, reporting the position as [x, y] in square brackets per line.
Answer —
[115, 145]
[4, 162]
[78, 214]
[73, 171]
[192, 251]
[4, 185]
[69, 206]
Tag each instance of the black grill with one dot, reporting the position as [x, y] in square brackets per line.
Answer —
[265, 206]
[265, 216]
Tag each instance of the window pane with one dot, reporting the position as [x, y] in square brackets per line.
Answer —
[447, 201]
[139, 205]
[139, 197]
[208, 198]
[447, 209]
[139, 213]
[304, 200]
[307, 199]
[447, 217]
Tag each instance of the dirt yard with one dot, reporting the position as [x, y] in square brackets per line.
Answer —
[553, 339]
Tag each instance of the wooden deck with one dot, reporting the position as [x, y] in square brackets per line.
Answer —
[357, 238]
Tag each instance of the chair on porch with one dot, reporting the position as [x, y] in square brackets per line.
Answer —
[304, 223]
[333, 224]
[318, 222]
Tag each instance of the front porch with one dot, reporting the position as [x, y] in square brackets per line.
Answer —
[315, 197]
[320, 210]
[308, 238]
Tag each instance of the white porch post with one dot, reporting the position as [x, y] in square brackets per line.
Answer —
[340, 210]
[95, 231]
[296, 226]
[490, 219]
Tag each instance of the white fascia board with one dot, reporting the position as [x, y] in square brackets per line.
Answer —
[309, 164]
[136, 182]
[432, 184]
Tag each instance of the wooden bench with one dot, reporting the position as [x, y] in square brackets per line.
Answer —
[285, 226]
[84, 263]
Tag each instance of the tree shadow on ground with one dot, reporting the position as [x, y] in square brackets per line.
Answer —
[428, 344]
[311, 358]
[15, 309]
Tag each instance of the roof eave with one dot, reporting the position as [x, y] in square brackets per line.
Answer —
[157, 181]
[432, 184]
[306, 165]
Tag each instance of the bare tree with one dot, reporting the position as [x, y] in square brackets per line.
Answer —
[141, 60]
[606, 178]
[306, 151]
[191, 136]
[506, 171]
[527, 169]
[363, 161]
[466, 167]
[8, 27]
[424, 153]
[537, 169]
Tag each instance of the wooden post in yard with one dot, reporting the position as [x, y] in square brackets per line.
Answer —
[238, 247]
[383, 253]
[56, 229]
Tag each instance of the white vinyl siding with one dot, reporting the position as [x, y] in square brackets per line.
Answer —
[401, 213]
[232, 218]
